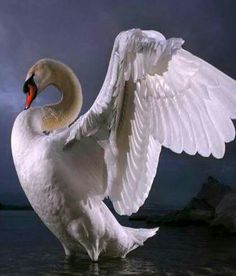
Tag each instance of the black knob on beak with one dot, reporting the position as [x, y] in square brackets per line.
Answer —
[29, 81]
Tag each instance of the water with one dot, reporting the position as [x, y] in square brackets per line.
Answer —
[28, 248]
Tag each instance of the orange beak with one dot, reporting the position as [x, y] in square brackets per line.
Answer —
[30, 95]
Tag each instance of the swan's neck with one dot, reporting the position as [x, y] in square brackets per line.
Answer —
[63, 113]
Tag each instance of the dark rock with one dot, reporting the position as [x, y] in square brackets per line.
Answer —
[195, 216]
[200, 210]
[225, 215]
[213, 191]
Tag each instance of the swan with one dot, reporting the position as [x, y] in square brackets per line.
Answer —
[155, 94]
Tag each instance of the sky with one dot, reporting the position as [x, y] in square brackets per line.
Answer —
[81, 34]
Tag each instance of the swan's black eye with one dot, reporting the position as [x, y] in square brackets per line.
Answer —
[28, 82]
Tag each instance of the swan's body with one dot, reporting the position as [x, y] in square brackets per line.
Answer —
[154, 94]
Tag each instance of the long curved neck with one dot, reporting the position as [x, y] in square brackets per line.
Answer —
[63, 113]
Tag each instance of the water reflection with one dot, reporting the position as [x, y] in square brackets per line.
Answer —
[128, 266]
[28, 248]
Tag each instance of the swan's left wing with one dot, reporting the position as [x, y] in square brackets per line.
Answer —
[155, 93]
[121, 121]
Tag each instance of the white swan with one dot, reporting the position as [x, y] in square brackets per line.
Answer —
[154, 94]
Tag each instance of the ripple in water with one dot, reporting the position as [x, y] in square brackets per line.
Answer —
[28, 248]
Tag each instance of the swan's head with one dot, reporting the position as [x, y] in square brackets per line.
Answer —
[38, 78]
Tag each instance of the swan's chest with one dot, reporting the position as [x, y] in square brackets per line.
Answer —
[33, 159]
[55, 181]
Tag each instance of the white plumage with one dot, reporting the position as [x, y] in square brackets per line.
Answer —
[155, 94]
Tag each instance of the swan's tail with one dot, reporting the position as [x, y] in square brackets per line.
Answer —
[107, 237]
[138, 236]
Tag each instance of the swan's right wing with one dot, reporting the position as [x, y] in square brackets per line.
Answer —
[155, 93]
[198, 102]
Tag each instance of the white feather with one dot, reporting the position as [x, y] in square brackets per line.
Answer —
[155, 94]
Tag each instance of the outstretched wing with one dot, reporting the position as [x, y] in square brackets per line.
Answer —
[155, 93]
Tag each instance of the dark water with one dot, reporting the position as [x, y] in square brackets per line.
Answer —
[28, 248]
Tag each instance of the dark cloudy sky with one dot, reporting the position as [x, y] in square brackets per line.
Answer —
[81, 34]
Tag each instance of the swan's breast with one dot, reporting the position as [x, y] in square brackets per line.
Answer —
[31, 152]
[54, 179]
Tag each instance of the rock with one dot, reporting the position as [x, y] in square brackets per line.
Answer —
[200, 210]
[225, 215]
[213, 191]
[197, 212]
[214, 206]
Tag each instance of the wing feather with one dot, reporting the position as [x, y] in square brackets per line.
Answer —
[155, 94]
